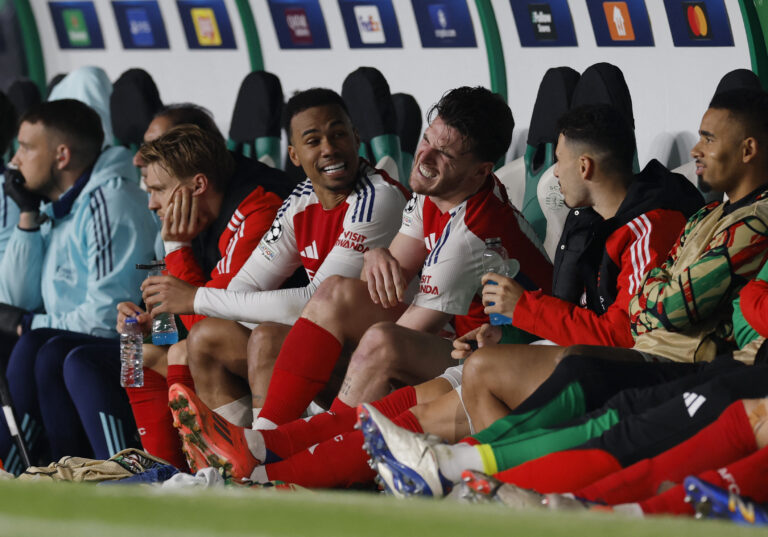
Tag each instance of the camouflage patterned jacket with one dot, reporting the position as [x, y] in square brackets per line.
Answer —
[683, 309]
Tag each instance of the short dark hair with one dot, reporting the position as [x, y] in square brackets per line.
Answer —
[7, 123]
[78, 124]
[190, 114]
[481, 117]
[605, 130]
[749, 107]
[187, 150]
[310, 98]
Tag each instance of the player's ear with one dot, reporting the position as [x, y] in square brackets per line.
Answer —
[200, 184]
[294, 156]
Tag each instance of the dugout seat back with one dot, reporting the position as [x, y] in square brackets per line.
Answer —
[134, 102]
[603, 83]
[409, 124]
[522, 176]
[23, 94]
[255, 127]
[369, 101]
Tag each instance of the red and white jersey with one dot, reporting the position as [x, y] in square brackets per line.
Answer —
[450, 277]
[247, 225]
[633, 249]
[325, 242]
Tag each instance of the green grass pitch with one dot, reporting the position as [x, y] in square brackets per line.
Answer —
[85, 510]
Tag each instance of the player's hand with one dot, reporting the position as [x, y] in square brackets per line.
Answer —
[168, 294]
[182, 221]
[384, 276]
[15, 188]
[10, 320]
[484, 336]
[129, 309]
[504, 294]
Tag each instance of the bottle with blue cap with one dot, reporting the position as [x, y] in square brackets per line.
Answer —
[131, 355]
[164, 331]
[496, 260]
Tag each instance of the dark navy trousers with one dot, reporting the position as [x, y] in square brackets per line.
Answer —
[66, 393]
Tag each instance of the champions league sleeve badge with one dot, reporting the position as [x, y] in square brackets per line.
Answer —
[274, 233]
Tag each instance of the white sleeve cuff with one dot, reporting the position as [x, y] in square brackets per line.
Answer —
[172, 246]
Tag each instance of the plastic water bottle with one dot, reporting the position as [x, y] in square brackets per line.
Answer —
[496, 260]
[131, 355]
[164, 330]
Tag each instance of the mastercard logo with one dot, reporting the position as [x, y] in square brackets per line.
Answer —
[698, 25]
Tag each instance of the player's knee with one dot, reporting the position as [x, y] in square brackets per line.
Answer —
[575, 350]
[571, 358]
[266, 339]
[201, 343]
[477, 367]
[177, 355]
[79, 365]
[334, 295]
[378, 347]
[263, 346]
[329, 289]
[49, 354]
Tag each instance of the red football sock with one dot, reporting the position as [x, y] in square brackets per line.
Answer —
[746, 476]
[727, 439]
[300, 434]
[338, 462]
[180, 374]
[407, 420]
[302, 369]
[154, 421]
[671, 502]
[337, 405]
[297, 435]
[396, 402]
[562, 471]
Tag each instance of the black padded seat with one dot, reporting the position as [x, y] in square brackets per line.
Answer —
[258, 108]
[738, 79]
[409, 121]
[24, 94]
[134, 102]
[552, 101]
[369, 101]
[603, 83]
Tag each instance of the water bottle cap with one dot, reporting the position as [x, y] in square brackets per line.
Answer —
[131, 320]
[492, 241]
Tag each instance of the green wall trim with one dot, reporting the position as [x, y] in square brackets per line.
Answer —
[33, 51]
[493, 47]
[251, 35]
[758, 51]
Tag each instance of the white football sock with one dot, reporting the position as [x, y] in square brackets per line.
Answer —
[255, 441]
[452, 460]
[237, 412]
[264, 424]
[259, 475]
[630, 509]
